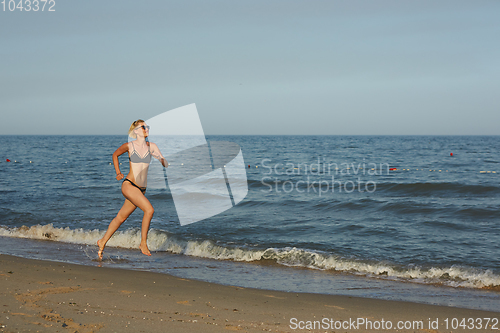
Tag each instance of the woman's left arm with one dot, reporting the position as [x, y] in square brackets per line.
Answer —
[157, 154]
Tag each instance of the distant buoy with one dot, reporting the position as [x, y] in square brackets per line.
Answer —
[392, 169]
[451, 154]
[249, 166]
[7, 160]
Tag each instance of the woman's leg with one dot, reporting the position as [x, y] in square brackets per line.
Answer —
[135, 196]
[127, 209]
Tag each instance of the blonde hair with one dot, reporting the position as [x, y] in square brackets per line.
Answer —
[132, 128]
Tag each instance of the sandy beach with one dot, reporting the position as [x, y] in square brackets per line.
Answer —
[43, 296]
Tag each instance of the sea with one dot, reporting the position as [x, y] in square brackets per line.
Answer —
[408, 218]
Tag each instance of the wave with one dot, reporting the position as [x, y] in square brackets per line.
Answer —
[438, 189]
[162, 241]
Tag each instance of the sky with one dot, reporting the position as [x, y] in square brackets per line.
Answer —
[354, 67]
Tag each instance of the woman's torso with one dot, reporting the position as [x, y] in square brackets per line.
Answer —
[139, 164]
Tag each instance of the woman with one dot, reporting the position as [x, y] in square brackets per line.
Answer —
[134, 185]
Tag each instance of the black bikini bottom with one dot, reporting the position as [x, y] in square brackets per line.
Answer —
[143, 189]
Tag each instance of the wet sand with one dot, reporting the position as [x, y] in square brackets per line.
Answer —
[43, 296]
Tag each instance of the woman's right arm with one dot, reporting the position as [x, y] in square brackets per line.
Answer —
[120, 151]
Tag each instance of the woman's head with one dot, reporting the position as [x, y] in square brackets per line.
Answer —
[135, 125]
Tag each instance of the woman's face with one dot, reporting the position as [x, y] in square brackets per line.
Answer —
[142, 130]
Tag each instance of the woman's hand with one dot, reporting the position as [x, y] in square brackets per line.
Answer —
[164, 163]
[119, 176]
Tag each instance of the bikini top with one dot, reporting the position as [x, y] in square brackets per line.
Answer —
[136, 158]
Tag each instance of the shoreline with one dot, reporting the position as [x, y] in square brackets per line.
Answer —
[51, 296]
[464, 278]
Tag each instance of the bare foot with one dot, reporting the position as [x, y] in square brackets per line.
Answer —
[144, 249]
[101, 250]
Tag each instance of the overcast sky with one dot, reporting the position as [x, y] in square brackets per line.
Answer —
[254, 67]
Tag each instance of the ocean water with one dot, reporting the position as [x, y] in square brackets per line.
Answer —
[413, 218]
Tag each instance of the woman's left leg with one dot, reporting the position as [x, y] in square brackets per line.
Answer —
[136, 197]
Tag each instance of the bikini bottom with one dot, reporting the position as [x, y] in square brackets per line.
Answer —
[143, 189]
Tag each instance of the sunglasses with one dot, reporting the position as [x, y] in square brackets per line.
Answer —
[144, 127]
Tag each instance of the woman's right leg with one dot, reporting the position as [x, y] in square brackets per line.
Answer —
[127, 209]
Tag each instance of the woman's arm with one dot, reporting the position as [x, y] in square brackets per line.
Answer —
[157, 154]
[120, 151]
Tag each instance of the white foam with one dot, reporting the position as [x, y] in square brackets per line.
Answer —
[455, 276]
